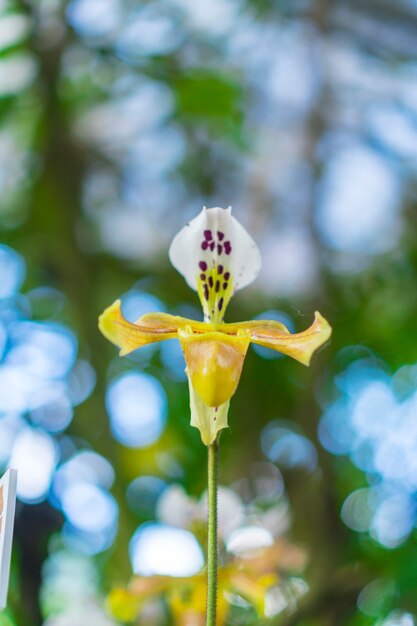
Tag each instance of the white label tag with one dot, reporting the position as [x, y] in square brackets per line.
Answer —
[7, 509]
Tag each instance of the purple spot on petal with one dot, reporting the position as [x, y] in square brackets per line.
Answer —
[217, 289]
[224, 285]
[204, 245]
[210, 281]
[206, 292]
[220, 304]
[203, 266]
[227, 247]
[208, 235]
[220, 235]
[203, 276]
[220, 269]
[212, 244]
[219, 249]
[227, 276]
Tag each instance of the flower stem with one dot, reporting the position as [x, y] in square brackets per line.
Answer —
[213, 464]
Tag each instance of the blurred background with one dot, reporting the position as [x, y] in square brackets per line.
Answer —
[120, 119]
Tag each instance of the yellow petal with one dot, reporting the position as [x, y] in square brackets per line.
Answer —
[209, 420]
[270, 325]
[123, 605]
[127, 604]
[189, 600]
[254, 588]
[280, 555]
[214, 363]
[149, 328]
[300, 346]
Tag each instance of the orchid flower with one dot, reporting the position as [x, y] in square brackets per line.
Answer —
[252, 576]
[217, 257]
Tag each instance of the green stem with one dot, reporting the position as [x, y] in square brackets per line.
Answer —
[213, 464]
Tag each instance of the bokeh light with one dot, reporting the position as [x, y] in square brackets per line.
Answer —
[89, 508]
[165, 550]
[359, 207]
[143, 493]
[34, 455]
[92, 18]
[12, 271]
[376, 428]
[249, 538]
[288, 448]
[136, 404]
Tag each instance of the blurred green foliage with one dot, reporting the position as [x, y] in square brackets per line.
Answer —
[110, 141]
